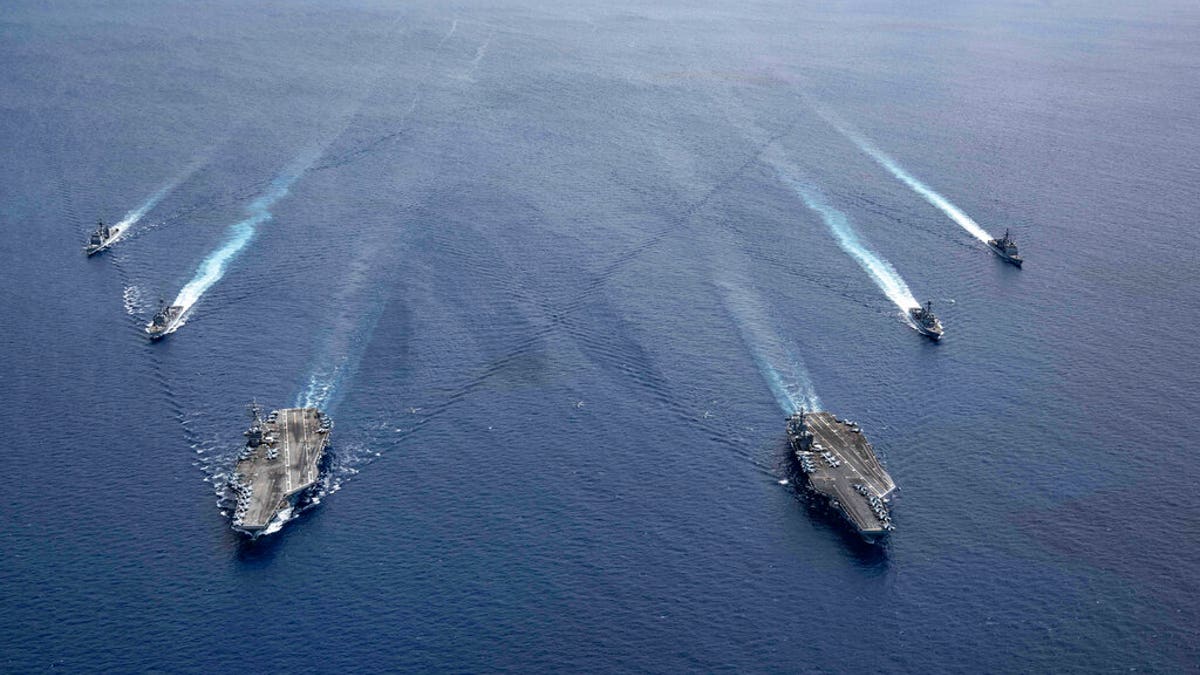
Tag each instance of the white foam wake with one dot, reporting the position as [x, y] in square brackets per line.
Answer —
[321, 386]
[776, 358]
[881, 271]
[453, 27]
[886, 161]
[132, 298]
[241, 233]
[135, 215]
[343, 352]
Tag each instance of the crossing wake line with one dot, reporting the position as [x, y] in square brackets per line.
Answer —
[888, 162]
[881, 271]
[776, 358]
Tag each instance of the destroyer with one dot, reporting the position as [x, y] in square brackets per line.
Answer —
[278, 469]
[103, 237]
[840, 465]
[1006, 248]
[925, 321]
[165, 320]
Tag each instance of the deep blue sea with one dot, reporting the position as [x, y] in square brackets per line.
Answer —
[558, 271]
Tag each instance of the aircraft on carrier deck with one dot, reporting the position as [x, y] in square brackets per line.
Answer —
[839, 464]
[278, 471]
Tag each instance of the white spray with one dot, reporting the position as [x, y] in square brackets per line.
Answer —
[241, 233]
[135, 215]
[131, 218]
[881, 272]
[886, 161]
[783, 370]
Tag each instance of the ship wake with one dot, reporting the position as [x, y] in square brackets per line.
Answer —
[133, 300]
[881, 271]
[131, 218]
[241, 233]
[340, 358]
[775, 357]
[893, 167]
[135, 216]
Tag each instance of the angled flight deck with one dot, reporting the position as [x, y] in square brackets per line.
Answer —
[280, 463]
[841, 465]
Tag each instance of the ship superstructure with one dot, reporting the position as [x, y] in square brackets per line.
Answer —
[102, 238]
[165, 321]
[278, 468]
[1006, 248]
[925, 321]
[840, 465]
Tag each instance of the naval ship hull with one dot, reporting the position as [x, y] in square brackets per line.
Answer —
[92, 250]
[839, 465]
[172, 325]
[917, 326]
[158, 335]
[928, 333]
[1006, 257]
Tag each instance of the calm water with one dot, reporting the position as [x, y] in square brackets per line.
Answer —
[558, 270]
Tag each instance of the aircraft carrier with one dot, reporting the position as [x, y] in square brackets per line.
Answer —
[841, 466]
[279, 467]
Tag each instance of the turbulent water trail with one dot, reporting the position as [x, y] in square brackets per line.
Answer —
[776, 358]
[341, 348]
[881, 271]
[134, 216]
[339, 360]
[886, 161]
[241, 233]
[453, 27]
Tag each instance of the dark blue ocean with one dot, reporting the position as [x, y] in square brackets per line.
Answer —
[557, 271]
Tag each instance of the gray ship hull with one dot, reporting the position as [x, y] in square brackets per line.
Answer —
[926, 332]
[93, 249]
[1008, 258]
[158, 333]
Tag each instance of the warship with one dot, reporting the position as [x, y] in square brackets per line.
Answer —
[840, 465]
[1006, 248]
[165, 320]
[102, 238]
[278, 469]
[925, 321]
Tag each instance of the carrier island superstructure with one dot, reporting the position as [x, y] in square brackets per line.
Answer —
[279, 467]
[840, 465]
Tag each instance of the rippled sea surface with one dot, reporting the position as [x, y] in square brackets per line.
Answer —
[557, 271]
